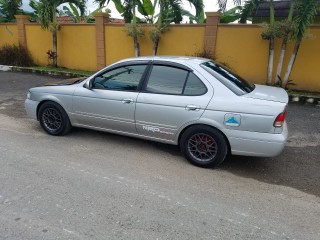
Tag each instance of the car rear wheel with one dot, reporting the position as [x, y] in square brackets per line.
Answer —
[204, 146]
[53, 119]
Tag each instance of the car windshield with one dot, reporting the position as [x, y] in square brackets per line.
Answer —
[235, 83]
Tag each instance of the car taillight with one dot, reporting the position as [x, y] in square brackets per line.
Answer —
[280, 119]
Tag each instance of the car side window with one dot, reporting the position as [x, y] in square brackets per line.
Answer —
[166, 80]
[194, 86]
[124, 78]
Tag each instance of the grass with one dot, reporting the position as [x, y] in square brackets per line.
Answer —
[59, 69]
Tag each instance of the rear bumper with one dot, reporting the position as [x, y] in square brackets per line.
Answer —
[257, 144]
[31, 108]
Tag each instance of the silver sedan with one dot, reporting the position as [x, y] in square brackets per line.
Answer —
[191, 102]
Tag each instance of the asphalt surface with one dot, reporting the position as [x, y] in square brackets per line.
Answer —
[93, 185]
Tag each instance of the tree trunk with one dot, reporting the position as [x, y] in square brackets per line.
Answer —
[54, 44]
[270, 63]
[284, 42]
[155, 46]
[291, 62]
[135, 37]
[136, 46]
[54, 37]
[271, 45]
[281, 58]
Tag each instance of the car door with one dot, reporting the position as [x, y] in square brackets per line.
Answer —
[171, 97]
[110, 102]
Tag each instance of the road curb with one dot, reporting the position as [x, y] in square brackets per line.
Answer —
[5, 68]
[294, 98]
[300, 98]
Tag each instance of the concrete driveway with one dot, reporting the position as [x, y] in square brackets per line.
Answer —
[93, 185]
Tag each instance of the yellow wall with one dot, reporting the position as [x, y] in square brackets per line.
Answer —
[306, 72]
[182, 40]
[8, 34]
[77, 47]
[117, 44]
[178, 40]
[39, 41]
[238, 46]
[244, 51]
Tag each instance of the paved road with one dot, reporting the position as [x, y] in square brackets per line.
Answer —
[92, 185]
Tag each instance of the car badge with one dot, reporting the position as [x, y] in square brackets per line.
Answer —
[232, 120]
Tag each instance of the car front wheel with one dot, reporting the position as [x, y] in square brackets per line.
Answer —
[53, 119]
[204, 146]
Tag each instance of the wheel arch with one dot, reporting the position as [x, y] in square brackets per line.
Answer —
[207, 125]
[56, 101]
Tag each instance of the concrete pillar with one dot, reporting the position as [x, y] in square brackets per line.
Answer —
[213, 19]
[101, 19]
[21, 20]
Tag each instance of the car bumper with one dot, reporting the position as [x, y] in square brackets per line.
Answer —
[258, 144]
[31, 108]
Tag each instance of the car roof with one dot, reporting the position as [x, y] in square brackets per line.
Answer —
[175, 59]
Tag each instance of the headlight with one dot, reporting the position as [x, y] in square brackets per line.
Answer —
[29, 95]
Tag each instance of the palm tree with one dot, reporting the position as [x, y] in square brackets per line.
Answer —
[46, 11]
[287, 28]
[74, 12]
[306, 9]
[170, 11]
[163, 21]
[135, 30]
[9, 8]
[269, 34]
[271, 43]
[128, 10]
[248, 9]
[199, 7]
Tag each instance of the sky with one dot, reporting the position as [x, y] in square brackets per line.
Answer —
[210, 6]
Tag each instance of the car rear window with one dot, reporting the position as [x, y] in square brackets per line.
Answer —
[232, 81]
[166, 80]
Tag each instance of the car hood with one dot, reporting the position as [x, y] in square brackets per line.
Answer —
[263, 92]
[69, 81]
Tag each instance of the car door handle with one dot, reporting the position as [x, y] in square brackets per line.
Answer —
[127, 101]
[192, 108]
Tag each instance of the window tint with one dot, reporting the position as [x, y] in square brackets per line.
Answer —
[166, 80]
[125, 78]
[194, 86]
[235, 83]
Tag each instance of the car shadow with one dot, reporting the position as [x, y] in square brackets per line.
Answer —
[298, 168]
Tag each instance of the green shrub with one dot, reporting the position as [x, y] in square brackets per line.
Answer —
[15, 56]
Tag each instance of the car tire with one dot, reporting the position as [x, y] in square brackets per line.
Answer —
[204, 146]
[53, 119]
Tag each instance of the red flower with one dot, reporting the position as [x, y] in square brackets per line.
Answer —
[51, 54]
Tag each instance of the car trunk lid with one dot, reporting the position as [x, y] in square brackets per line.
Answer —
[274, 94]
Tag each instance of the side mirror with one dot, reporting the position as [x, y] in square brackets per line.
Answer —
[88, 84]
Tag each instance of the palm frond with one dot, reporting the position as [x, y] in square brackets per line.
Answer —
[248, 9]
[199, 7]
[102, 2]
[307, 10]
[223, 4]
